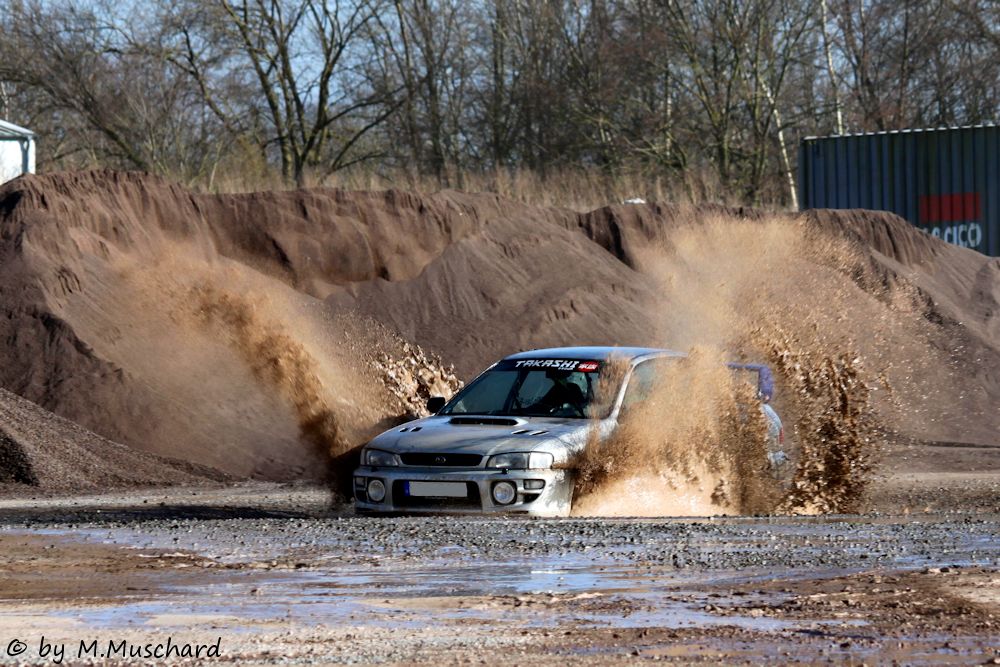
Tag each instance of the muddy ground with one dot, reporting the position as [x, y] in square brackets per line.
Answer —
[271, 573]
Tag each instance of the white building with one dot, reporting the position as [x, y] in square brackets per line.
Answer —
[17, 151]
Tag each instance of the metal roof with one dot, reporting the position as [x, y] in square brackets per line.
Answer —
[11, 131]
[914, 130]
[600, 352]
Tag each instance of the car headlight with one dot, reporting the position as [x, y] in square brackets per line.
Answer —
[378, 458]
[521, 461]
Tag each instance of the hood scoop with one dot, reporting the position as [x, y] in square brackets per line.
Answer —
[483, 421]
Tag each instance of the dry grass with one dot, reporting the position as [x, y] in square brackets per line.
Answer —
[575, 188]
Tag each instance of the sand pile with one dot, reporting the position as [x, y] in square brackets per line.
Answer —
[263, 334]
[40, 451]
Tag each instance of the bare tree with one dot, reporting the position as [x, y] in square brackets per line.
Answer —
[716, 90]
[307, 61]
[96, 97]
[778, 28]
[830, 69]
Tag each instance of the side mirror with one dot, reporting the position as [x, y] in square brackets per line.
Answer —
[435, 403]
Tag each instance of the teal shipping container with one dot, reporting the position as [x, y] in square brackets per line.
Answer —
[945, 181]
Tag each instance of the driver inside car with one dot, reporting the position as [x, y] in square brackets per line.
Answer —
[562, 393]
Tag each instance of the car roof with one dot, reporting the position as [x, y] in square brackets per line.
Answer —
[595, 352]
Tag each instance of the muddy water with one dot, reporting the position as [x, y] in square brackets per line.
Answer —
[290, 579]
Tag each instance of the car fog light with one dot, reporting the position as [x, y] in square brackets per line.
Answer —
[534, 484]
[504, 493]
[376, 491]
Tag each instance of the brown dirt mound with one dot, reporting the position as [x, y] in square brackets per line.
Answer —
[107, 323]
[42, 451]
[99, 324]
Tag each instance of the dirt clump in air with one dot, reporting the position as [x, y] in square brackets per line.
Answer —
[412, 376]
[403, 375]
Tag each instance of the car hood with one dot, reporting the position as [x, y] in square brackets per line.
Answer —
[486, 436]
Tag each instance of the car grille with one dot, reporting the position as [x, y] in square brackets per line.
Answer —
[431, 459]
[471, 499]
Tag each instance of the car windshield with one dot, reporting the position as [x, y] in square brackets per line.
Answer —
[532, 388]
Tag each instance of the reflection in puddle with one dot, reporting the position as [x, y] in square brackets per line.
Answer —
[509, 594]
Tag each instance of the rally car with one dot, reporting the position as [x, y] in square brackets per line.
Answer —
[506, 441]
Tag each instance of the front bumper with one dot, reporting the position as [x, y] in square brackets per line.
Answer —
[553, 499]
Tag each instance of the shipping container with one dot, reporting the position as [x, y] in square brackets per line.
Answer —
[945, 181]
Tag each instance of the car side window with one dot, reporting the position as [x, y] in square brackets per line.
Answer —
[640, 384]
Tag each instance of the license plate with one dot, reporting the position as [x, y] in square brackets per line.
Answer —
[437, 489]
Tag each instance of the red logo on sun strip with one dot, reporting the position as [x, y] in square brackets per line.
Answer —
[588, 366]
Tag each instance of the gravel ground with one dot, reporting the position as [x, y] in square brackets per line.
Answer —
[274, 575]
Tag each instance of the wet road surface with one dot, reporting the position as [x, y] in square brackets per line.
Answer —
[273, 574]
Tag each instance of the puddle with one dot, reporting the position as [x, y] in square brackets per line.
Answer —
[390, 574]
[513, 596]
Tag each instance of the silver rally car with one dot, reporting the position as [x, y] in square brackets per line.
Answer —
[502, 443]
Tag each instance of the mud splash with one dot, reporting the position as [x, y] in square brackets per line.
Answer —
[277, 360]
[412, 376]
[337, 409]
[835, 423]
[695, 443]
[779, 291]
